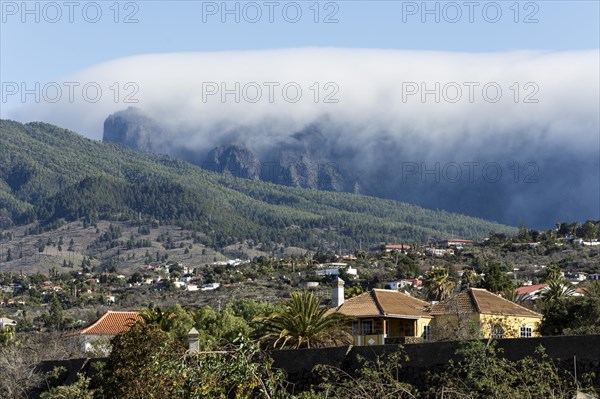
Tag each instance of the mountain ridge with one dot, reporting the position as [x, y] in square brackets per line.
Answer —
[512, 177]
[49, 173]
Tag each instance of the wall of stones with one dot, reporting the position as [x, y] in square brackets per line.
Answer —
[423, 357]
[434, 356]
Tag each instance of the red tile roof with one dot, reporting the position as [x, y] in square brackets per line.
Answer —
[111, 323]
[397, 246]
[530, 289]
[477, 300]
[387, 303]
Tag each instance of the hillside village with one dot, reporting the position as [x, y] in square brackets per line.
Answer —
[536, 284]
[169, 266]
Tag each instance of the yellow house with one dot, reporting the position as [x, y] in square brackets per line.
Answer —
[385, 317]
[478, 313]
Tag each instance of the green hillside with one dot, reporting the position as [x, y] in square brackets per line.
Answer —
[49, 174]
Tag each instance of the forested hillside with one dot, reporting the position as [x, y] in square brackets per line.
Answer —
[50, 175]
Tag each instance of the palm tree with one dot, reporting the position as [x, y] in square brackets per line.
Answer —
[511, 295]
[468, 279]
[304, 323]
[557, 289]
[553, 273]
[438, 284]
[155, 315]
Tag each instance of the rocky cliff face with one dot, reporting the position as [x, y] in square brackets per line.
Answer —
[301, 162]
[233, 160]
[133, 129]
[505, 180]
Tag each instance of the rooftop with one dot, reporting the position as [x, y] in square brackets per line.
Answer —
[111, 323]
[389, 303]
[477, 300]
[530, 289]
[397, 246]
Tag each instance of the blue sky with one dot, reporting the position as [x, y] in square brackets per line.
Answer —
[42, 51]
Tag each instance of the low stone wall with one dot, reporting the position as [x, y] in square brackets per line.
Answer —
[434, 356]
[424, 357]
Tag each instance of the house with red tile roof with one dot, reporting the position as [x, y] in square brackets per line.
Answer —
[531, 292]
[478, 312]
[386, 316]
[103, 330]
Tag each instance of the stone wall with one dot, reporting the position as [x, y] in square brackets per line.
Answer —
[423, 357]
[433, 356]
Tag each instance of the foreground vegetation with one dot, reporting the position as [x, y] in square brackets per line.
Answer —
[147, 362]
[152, 360]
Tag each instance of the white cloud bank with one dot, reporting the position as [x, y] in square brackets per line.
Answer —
[553, 96]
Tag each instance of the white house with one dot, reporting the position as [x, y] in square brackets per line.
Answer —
[210, 287]
[4, 321]
[439, 251]
[531, 292]
[406, 282]
[102, 330]
[333, 269]
[591, 242]
[336, 271]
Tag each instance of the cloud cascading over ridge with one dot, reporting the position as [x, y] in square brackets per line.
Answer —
[548, 107]
[371, 85]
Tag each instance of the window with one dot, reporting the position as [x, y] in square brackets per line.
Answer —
[426, 333]
[525, 332]
[355, 329]
[367, 327]
[497, 331]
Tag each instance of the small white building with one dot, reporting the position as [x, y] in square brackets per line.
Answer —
[439, 252]
[210, 287]
[336, 271]
[401, 284]
[5, 321]
[591, 243]
[99, 333]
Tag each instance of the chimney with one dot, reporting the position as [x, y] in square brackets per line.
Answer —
[337, 296]
[193, 338]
